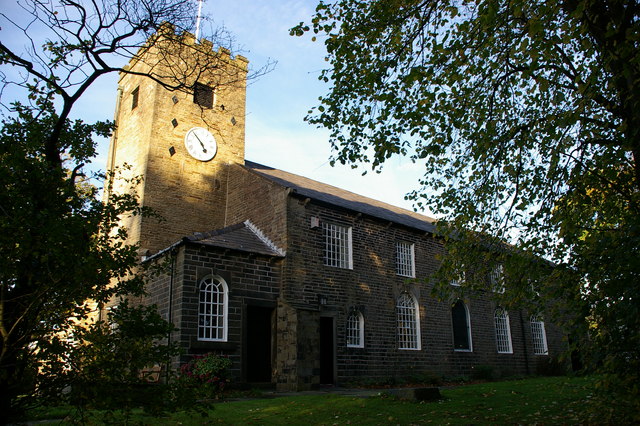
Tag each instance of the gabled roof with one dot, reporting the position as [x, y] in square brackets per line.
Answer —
[243, 236]
[332, 195]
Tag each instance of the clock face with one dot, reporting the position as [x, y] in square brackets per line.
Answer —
[200, 144]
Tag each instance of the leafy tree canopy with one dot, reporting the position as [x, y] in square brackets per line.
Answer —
[526, 117]
[59, 248]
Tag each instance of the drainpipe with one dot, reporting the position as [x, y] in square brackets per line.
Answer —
[111, 160]
[173, 255]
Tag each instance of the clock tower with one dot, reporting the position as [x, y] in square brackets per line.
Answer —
[180, 123]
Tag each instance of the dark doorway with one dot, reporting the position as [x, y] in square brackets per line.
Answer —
[259, 349]
[326, 351]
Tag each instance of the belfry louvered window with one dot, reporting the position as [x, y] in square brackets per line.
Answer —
[203, 95]
[212, 309]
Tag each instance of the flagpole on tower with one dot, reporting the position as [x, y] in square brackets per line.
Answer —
[198, 19]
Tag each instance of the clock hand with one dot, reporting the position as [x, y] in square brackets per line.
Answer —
[201, 144]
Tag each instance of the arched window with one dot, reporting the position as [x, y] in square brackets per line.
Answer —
[212, 309]
[461, 327]
[355, 330]
[408, 322]
[539, 336]
[503, 331]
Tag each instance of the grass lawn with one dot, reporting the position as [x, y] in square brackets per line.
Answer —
[548, 400]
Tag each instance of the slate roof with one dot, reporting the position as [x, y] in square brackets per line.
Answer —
[332, 195]
[243, 236]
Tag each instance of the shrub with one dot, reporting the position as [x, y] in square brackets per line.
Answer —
[207, 374]
[483, 372]
[105, 364]
[551, 366]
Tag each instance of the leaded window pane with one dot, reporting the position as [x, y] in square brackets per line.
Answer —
[459, 279]
[503, 331]
[337, 246]
[539, 336]
[497, 279]
[355, 330]
[407, 323]
[405, 265]
[212, 310]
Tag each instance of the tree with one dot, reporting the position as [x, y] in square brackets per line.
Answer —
[60, 246]
[57, 252]
[526, 116]
[112, 361]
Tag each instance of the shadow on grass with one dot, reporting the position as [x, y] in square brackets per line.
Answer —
[547, 400]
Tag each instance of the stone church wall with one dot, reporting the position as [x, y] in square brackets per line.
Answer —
[373, 286]
[251, 279]
[152, 122]
[286, 364]
[259, 200]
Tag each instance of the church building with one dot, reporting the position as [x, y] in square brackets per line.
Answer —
[299, 283]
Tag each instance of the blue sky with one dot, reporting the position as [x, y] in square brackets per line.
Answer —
[277, 102]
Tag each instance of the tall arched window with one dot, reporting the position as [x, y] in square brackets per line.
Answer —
[503, 331]
[461, 327]
[212, 309]
[355, 330]
[408, 322]
[539, 336]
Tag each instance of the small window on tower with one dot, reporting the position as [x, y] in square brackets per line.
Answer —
[203, 95]
[134, 97]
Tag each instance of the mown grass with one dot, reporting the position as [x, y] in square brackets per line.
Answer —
[548, 400]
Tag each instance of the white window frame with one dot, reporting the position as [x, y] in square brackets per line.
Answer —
[213, 322]
[538, 336]
[497, 279]
[405, 259]
[338, 252]
[459, 280]
[503, 331]
[467, 324]
[355, 330]
[408, 323]
[533, 287]
[113, 325]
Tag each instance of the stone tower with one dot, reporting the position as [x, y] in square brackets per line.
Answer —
[178, 130]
